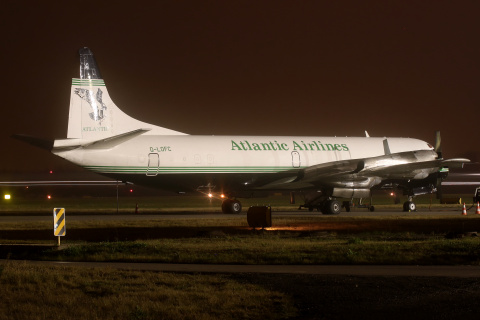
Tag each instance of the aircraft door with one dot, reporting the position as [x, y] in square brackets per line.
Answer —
[296, 162]
[153, 164]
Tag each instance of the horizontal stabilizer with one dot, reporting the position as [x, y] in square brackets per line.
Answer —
[106, 143]
[34, 141]
[60, 183]
[111, 142]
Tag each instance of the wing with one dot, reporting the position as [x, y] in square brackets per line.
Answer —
[368, 172]
[319, 175]
[407, 167]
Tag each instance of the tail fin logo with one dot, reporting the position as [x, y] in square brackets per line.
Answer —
[95, 100]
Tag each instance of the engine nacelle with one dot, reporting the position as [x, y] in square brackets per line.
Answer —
[351, 193]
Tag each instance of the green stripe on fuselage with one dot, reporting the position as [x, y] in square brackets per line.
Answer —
[159, 170]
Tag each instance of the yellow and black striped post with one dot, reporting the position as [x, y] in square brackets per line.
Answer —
[59, 227]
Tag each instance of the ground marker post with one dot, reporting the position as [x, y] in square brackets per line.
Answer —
[464, 210]
[478, 208]
[59, 226]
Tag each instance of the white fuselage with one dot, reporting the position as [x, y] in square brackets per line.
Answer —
[186, 153]
[148, 156]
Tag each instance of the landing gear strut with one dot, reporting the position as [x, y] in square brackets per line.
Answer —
[231, 206]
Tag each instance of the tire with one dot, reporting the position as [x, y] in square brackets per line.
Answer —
[226, 206]
[332, 207]
[236, 207]
[231, 206]
[411, 206]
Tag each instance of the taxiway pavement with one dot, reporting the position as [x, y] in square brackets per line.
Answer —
[89, 216]
[346, 270]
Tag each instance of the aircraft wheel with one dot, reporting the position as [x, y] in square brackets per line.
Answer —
[372, 208]
[332, 207]
[231, 206]
[226, 206]
[411, 206]
[236, 206]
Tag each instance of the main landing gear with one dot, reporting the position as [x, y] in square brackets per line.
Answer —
[330, 207]
[231, 206]
[409, 205]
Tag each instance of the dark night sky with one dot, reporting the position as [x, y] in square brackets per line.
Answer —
[393, 68]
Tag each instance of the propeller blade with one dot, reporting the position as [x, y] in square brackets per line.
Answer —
[438, 144]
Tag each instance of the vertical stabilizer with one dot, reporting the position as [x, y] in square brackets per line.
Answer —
[88, 65]
[93, 115]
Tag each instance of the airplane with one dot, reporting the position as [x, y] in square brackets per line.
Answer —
[103, 139]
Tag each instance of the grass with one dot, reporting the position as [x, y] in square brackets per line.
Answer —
[273, 249]
[228, 240]
[39, 292]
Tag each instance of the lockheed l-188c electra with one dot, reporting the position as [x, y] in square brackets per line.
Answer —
[105, 140]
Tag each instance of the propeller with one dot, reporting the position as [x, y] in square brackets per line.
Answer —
[441, 174]
[438, 145]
